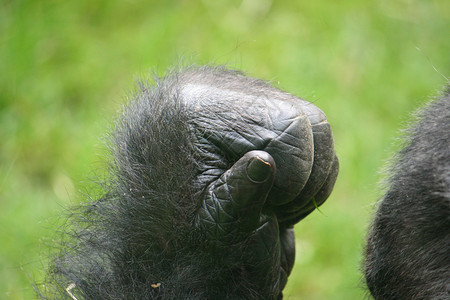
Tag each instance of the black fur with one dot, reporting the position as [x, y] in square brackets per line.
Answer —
[125, 241]
[408, 250]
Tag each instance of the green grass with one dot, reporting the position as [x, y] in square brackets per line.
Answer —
[66, 66]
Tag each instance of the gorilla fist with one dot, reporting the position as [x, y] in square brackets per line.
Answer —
[210, 171]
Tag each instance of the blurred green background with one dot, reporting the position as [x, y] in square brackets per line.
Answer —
[66, 67]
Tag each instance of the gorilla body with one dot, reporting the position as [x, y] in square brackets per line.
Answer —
[210, 170]
[408, 249]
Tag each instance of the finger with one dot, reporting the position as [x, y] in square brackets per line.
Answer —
[323, 159]
[233, 203]
[328, 186]
[292, 150]
[289, 219]
[323, 152]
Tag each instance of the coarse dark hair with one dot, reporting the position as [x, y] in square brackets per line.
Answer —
[408, 249]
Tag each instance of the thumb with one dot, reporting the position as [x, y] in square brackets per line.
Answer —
[233, 203]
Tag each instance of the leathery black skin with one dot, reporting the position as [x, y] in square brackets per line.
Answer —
[210, 169]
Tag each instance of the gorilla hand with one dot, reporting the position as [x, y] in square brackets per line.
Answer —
[210, 171]
[295, 166]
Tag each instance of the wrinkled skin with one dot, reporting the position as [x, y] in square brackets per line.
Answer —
[286, 165]
[211, 170]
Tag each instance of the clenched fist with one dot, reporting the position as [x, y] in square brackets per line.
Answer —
[210, 171]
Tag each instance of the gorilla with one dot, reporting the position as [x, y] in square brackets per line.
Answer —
[408, 248]
[210, 169]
